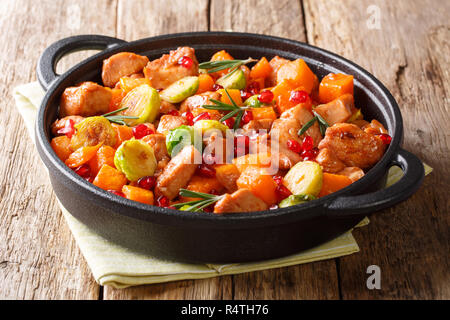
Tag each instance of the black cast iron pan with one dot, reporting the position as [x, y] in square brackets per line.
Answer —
[206, 237]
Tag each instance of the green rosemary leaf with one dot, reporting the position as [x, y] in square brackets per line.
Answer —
[229, 115]
[214, 66]
[114, 112]
[307, 126]
[195, 194]
[321, 120]
[237, 122]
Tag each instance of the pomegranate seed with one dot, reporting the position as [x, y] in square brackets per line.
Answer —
[216, 87]
[147, 182]
[266, 96]
[68, 129]
[253, 88]
[245, 95]
[206, 170]
[170, 207]
[117, 193]
[141, 131]
[202, 116]
[186, 62]
[273, 207]
[315, 150]
[247, 117]
[298, 96]
[162, 201]
[278, 179]
[174, 113]
[385, 138]
[83, 171]
[241, 145]
[189, 117]
[229, 122]
[294, 146]
[307, 143]
[308, 155]
[282, 192]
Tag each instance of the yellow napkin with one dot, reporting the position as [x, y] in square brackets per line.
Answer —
[120, 267]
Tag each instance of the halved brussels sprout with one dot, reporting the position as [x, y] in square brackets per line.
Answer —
[205, 125]
[180, 90]
[253, 102]
[304, 178]
[135, 159]
[92, 131]
[178, 138]
[236, 80]
[142, 102]
[294, 199]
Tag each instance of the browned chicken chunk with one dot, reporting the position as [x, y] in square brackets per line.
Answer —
[120, 65]
[242, 200]
[329, 162]
[354, 173]
[166, 70]
[338, 110]
[276, 62]
[353, 146]
[87, 99]
[61, 123]
[177, 173]
[198, 100]
[169, 122]
[158, 142]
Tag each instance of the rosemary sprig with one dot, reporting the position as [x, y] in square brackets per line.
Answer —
[234, 109]
[323, 125]
[233, 65]
[118, 118]
[206, 199]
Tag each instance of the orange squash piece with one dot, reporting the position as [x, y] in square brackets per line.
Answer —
[81, 156]
[116, 98]
[205, 83]
[61, 146]
[138, 194]
[334, 85]
[104, 155]
[109, 178]
[261, 69]
[264, 113]
[258, 181]
[253, 159]
[235, 94]
[202, 184]
[299, 72]
[220, 56]
[227, 174]
[123, 133]
[332, 183]
[127, 83]
[282, 94]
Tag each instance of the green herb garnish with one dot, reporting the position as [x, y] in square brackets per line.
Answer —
[118, 118]
[206, 199]
[233, 65]
[323, 125]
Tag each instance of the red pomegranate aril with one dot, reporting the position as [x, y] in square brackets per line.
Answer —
[117, 193]
[315, 151]
[385, 138]
[202, 116]
[206, 170]
[308, 155]
[186, 62]
[298, 96]
[68, 129]
[170, 207]
[229, 122]
[247, 117]
[245, 95]
[216, 87]
[278, 179]
[189, 117]
[307, 143]
[83, 171]
[265, 96]
[147, 182]
[141, 131]
[282, 192]
[253, 88]
[294, 146]
[162, 201]
[173, 113]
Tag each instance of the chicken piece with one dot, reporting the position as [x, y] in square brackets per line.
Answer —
[242, 200]
[275, 63]
[120, 65]
[302, 114]
[255, 125]
[338, 110]
[227, 175]
[178, 172]
[374, 127]
[164, 71]
[360, 123]
[165, 107]
[169, 122]
[61, 123]
[353, 146]
[158, 142]
[354, 173]
[329, 162]
[87, 99]
[198, 100]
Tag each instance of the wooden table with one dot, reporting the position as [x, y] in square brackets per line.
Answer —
[403, 43]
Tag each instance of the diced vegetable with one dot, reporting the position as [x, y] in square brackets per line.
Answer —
[227, 175]
[205, 83]
[104, 155]
[254, 159]
[109, 178]
[332, 183]
[220, 56]
[61, 146]
[116, 99]
[127, 83]
[260, 183]
[261, 69]
[142, 102]
[81, 156]
[264, 113]
[295, 199]
[135, 159]
[92, 131]
[180, 90]
[304, 178]
[123, 133]
[178, 138]
[338, 110]
[205, 125]
[202, 184]
[299, 72]
[235, 94]
[333, 86]
[253, 102]
[236, 80]
[138, 194]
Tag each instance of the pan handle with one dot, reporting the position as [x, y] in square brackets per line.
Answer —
[347, 206]
[46, 66]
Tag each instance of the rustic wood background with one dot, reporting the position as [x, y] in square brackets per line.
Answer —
[404, 43]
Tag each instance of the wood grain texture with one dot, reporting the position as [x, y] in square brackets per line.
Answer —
[38, 256]
[409, 54]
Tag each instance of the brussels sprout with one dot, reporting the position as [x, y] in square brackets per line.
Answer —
[178, 138]
[92, 131]
[304, 178]
[253, 102]
[180, 90]
[142, 102]
[135, 159]
[205, 125]
[236, 80]
[292, 200]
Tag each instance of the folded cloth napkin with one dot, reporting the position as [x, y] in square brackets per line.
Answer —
[120, 267]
